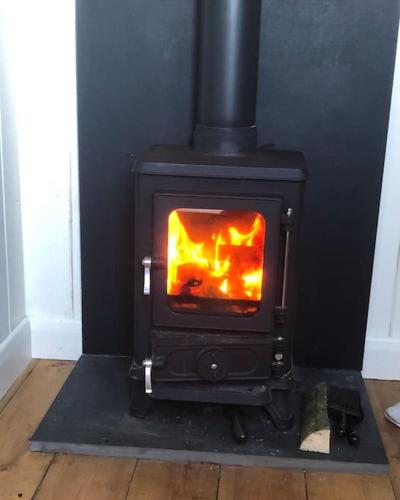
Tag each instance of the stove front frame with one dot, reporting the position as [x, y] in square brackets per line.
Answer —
[163, 315]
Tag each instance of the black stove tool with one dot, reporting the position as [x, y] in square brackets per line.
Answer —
[238, 427]
[344, 408]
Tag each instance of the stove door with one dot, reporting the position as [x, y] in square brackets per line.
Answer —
[215, 261]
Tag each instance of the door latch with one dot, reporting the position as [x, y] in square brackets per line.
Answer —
[148, 364]
[146, 263]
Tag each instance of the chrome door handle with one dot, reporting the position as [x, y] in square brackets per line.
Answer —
[146, 263]
[147, 363]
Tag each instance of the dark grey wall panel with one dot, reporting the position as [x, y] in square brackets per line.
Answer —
[326, 69]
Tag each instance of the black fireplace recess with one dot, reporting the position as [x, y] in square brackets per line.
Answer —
[216, 241]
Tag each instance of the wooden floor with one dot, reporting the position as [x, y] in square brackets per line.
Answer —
[44, 476]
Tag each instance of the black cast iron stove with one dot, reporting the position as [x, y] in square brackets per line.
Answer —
[216, 236]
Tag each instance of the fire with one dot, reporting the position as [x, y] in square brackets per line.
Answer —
[215, 254]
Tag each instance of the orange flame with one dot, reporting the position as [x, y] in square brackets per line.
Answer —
[215, 254]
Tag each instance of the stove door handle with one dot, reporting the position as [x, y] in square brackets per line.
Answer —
[288, 230]
[147, 363]
[146, 263]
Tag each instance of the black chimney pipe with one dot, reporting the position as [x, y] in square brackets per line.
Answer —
[228, 71]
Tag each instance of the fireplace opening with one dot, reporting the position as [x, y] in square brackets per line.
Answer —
[215, 261]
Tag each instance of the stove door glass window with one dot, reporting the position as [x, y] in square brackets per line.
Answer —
[215, 261]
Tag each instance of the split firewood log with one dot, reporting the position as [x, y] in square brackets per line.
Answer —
[315, 431]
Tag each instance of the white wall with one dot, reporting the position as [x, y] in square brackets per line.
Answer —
[15, 342]
[41, 46]
[382, 348]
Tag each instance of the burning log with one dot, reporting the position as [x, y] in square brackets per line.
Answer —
[241, 256]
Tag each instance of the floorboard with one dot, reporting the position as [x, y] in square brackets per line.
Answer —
[21, 470]
[90, 478]
[324, 486]
[17, 384]
[244, 483]
[156, 480]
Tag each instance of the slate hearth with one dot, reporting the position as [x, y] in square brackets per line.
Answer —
[91, 416]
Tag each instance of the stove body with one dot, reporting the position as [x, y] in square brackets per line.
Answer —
[216, 236]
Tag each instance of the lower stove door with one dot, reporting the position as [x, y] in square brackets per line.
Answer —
[211, 357]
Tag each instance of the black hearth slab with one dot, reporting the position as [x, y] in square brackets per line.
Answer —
[91, 416]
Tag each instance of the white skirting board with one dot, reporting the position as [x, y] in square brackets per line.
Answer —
[382, 358]
[15, 354]
[56, 338]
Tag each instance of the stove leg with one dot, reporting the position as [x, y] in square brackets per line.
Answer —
[280, 410]
[141, 404]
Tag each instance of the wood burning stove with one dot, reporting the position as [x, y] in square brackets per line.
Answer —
[216, 233]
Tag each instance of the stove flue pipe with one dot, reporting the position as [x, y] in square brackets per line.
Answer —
[227, 72]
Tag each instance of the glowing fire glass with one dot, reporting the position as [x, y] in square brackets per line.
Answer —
[215, 261]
